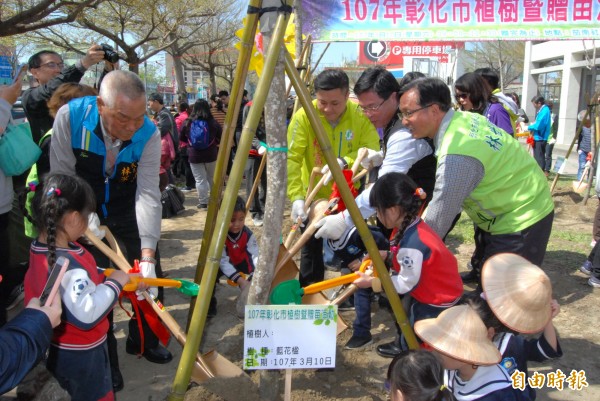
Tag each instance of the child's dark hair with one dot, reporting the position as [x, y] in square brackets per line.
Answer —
[58, 195]
[240, 205]
[419, 376]
[481, 306]
[397, 189]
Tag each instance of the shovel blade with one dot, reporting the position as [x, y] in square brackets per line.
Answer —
[215, 365]
[287, 292]
[188, 288]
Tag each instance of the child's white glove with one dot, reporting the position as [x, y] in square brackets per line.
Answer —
[147, 270]
[331, 227]
[325, 170]
[374, 158]
[94, 225]
[298, 211]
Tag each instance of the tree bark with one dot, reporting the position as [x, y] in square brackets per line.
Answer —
[275, 124]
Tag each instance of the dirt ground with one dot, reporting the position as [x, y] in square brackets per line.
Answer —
[359, 375]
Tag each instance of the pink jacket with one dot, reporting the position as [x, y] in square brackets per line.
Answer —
[179, 120]
[167, 153]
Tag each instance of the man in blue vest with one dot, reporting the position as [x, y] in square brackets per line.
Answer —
[109, 141]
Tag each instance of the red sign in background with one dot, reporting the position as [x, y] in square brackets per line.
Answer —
[393, 53]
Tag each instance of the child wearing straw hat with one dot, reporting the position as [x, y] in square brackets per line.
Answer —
[417, 375]
[518, 297]
[459, 337]
[422, 265]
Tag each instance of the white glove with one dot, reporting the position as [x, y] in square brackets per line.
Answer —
[147, 270]
[261, 150]
[325, 170]
[94, 225]
[331, 227]
[298, 211]
[374, 158]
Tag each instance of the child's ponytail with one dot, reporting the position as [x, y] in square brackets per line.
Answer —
[59, 194]
[419, 376]
[397, 189]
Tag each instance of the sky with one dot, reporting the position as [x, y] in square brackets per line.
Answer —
[335, 54]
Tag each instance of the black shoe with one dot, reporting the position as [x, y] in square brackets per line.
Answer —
[388, 350]
[347, 305]
[15, 297]
[357, 342]
[202, 206]
[158, 354]
[469, 277]
[212, 308]
[117, 379]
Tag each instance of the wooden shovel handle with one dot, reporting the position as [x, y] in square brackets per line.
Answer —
[160, 310]
[310, 230]
[314, 192]
[362, 153]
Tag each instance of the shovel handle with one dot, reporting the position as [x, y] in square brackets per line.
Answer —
[151, 282]
[160, 310]
[333, 282]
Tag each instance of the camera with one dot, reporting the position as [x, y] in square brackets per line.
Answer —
[109, 53]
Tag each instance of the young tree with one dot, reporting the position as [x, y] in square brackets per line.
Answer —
[214, 52]
[505, 57]
[138, 31]
[195, 31]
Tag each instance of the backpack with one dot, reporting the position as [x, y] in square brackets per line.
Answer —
[172, 200]
[199, 137]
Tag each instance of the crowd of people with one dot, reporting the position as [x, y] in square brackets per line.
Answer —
[105, 162]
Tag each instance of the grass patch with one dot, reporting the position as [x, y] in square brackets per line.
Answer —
[463, 231]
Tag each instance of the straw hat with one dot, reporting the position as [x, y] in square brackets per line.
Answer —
[518, 292]
[459, 333]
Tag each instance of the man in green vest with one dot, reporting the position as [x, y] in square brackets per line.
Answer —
[482, 170]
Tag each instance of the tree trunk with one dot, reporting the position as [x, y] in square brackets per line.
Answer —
[298, 31]
[275, 124]
[178, 66]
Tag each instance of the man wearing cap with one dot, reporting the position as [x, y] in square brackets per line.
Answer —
[482, 170]
[110, 142]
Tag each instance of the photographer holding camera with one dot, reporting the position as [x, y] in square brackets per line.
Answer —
[48, 68]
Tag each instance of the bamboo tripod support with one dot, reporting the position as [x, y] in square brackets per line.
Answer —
[215, 235]
[216, 241]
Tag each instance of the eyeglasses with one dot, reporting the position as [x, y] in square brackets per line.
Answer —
[371, 109]
[409, 113]
[461, 96]
[52, 65]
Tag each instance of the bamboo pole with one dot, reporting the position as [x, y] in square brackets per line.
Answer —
[320, 57]
[197, 322]
[350, 203]
[592, 173]
[261, 167]
[299, 61]
[304, 74]
[247, 43]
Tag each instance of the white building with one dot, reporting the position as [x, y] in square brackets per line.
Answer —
[561, 71]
